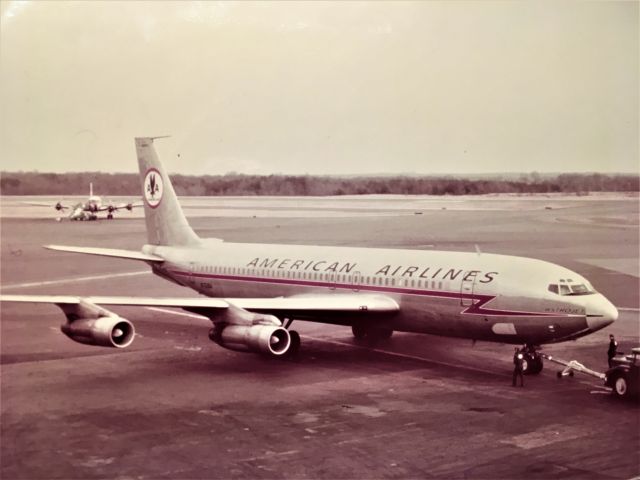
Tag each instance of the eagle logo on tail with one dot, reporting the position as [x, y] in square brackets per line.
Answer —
[153, 187]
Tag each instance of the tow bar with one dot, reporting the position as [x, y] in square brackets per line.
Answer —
[571, 366]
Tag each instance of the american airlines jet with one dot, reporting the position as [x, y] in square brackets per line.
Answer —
[253, 292]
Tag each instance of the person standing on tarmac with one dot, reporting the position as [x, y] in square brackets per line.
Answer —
[613, 349]
[518, 358]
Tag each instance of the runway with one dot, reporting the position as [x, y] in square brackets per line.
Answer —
[175, 405]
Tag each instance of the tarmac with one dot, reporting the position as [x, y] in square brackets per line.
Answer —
[175, 405]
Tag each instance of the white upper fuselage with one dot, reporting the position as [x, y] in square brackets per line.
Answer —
[93, 204]
[86, 209]
[478, 296]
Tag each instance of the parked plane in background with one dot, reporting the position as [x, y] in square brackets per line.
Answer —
[89, 209]
[254, 291]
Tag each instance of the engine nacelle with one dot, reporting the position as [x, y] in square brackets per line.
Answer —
[110, 331]
[269, 339]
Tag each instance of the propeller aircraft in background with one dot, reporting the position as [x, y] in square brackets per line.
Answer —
[89, 209]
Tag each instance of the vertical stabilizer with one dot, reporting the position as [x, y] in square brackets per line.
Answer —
[166, 224]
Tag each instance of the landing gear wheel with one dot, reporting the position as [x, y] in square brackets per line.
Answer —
[110, 217]
[369, 334]
[532, 362]
[359, 332]
[621, 387]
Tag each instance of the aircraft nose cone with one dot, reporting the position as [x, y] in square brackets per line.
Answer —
[601, 313]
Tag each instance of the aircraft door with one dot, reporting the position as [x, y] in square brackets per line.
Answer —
[467, 286]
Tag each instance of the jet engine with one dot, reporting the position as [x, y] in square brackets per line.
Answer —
[270, 339]
[112, 331]
[94, 325]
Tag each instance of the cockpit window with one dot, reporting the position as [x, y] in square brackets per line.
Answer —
[579, 289]
[571, 289]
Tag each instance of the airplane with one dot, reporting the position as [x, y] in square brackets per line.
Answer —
[253, 292]
[88, 210]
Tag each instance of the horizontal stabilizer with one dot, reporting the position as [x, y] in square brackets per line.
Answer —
[108, 252]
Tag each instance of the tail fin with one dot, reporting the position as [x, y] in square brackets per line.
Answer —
[166, 224]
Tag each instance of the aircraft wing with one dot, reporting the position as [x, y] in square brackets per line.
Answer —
[124, 301]
[120, 206]
[307, 306]
[57, 206]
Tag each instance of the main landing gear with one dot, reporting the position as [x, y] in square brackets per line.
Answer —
[532, 363]
[366, 333]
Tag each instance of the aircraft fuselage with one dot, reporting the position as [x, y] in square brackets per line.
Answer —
[478, 296]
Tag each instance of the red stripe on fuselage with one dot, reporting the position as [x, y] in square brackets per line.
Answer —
[475, 309]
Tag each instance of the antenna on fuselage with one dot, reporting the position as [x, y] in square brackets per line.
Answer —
[478, 250]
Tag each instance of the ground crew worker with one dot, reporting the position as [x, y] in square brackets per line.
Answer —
[613, 349]
[518, 359]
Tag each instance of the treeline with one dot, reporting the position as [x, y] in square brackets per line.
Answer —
[111, 184]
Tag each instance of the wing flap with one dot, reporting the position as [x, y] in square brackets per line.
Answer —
[319, 303]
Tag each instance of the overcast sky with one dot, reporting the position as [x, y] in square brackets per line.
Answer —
[323, 88]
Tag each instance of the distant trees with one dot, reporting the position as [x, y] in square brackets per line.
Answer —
[110, 184]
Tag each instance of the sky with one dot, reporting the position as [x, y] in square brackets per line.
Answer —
[321, 88]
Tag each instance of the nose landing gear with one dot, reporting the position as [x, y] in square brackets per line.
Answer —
[532, 363]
